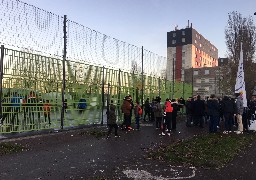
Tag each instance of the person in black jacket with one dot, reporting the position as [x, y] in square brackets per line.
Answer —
[174, 113]
[229, 109]
[147, 110]
[213, 109]
[198, 108]
[252, 108]
[188, 105]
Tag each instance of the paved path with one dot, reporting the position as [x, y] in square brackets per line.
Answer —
[74, 155]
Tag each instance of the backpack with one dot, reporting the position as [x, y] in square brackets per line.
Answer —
[140, 112]
[82, 104]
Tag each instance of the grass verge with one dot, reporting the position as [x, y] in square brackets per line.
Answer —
[208, 151]
[7, 148]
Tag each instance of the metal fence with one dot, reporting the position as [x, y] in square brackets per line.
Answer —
[48, 81]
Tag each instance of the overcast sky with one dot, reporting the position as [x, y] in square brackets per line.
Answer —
[146, 22]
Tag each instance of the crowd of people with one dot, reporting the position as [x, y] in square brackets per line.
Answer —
[164, 116]
[199, 112]
[232, 111]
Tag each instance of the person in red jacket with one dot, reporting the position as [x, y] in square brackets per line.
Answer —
[47, 111]
[167, 122]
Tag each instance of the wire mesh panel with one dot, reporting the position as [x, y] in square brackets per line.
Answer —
[31, 92]
[30, 29]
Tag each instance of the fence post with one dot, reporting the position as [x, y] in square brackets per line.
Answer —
[119, 93]
[119, 86]
[159, 87]
[108, 98]
[64, 71]
[102, 95]
[142, 78]
[1, 78]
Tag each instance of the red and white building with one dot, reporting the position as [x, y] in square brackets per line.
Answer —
[186, 48]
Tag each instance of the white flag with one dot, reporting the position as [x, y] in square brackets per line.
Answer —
[240, 84]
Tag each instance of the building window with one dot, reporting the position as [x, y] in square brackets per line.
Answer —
[173, 41]
[183, 39]
[183, 54]
[198, 81]
[196, 72]
[183, 33]
[206, 71]
[206, 80]
[195, 88]
[174, 35]
[195, 41]
[183, 61]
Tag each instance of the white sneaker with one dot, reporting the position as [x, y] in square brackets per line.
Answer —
[162, 134]
[169, 134]
[225, 132]
[218, 127]
[239, 132]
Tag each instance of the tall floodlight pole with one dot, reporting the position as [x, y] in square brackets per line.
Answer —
[64, 71]
[173, 78]
[1, 78]
[142, 77]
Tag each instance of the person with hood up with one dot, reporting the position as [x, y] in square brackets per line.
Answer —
[112, 120]
[198, 111]
[126, 109]
[213, 108]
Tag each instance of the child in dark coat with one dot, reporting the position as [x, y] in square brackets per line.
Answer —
[112, 119]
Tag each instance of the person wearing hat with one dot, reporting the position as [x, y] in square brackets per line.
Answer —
[126, 109]
[239, 113]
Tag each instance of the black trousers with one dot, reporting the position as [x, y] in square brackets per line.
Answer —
[47, 116]
[127, 121]
[174, 122]
[111, 126]
[198, 119]
[158, 122]
[167, 123]
[147, 113]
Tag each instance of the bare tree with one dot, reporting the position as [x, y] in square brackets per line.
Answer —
[239, 30]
